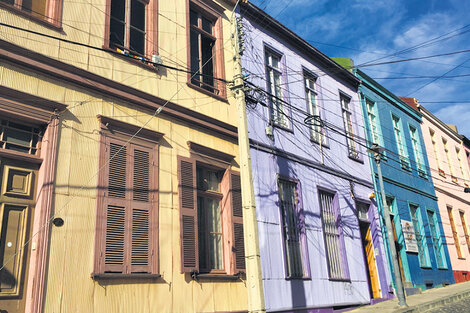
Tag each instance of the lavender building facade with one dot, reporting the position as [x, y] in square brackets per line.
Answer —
[320, 240]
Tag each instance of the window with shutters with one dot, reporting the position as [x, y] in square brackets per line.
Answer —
[131, 27]
[333, 235]
[293, 229]
[211, 219]
[126, 238]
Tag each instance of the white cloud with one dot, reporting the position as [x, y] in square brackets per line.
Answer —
[458, 114]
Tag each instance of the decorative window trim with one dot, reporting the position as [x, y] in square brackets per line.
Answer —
[151, 27]
[52, 18]
[216, 13]
[112, 130]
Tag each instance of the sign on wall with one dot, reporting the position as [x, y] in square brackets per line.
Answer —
[410, 237]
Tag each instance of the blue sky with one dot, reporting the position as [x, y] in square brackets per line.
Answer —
[366, 30]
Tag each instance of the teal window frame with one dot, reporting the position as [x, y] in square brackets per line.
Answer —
[400, 142]
[438, 235]
[423, 254]
[417, 150]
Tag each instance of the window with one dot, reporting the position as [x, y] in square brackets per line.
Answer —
[42, 10]
[348, 125]
[465, 229]
[205, 53]
[454, 232]
[436, 152]
[202, 45]
[449, 162]
[132, 27]
[420, 235]
[19, 137]
[292, 228]
[372, 119]
[126, 239]
[400, 142]
[316, 131]
[211, 219]
[463, 173]
[417, 151]
[435, 238]
[273, 77]
[334, 241]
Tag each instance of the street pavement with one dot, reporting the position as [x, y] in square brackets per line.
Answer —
[453, 298]
[461, 306]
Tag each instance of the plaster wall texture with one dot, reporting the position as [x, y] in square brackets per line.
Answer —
[291, 154]
[449, 184]
[406, 185]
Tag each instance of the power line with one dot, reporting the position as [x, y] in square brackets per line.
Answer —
[156, 112]
[129, 55]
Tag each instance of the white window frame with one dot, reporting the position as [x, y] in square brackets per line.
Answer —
[278, 113]
[316, 131]
[346, 112]
[399, 138]
[418, 153]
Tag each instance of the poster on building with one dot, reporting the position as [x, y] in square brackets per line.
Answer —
[410, 238]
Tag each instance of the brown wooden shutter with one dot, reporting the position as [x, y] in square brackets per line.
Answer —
[237, 221]
[114, 250]
[188, 214]
[141, 232]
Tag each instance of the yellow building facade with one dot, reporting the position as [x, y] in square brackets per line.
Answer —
[120, 177]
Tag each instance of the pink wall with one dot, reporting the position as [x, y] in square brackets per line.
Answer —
[449, 187]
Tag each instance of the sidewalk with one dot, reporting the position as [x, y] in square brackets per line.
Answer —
[421, 302]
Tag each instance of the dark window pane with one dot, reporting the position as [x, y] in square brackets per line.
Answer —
[137, 41]
[20, 126]
[207, 45]
[194, 46]
[17, 137]
[27, 5]
[118, 9]
[193, 18]
[138, 14]
[8, 1]
[116, 32]
[14, 147]
[201, 219]
[207, 25]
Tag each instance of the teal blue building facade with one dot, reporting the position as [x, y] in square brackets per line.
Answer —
[419, 237]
